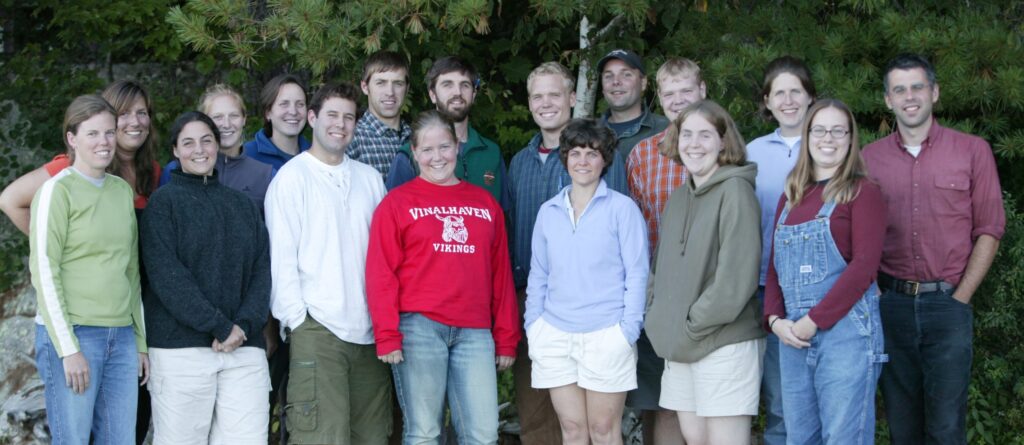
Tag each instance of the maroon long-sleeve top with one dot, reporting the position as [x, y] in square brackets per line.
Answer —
[858, 228]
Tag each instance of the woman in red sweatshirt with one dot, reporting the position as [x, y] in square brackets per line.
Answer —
[440, 292]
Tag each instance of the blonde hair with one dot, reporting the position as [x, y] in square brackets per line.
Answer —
[844, 185]
[734, 150]
[216, 90]
[679, 66]
[555, 69]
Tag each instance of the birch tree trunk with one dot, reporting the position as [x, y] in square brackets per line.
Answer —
[584, 88]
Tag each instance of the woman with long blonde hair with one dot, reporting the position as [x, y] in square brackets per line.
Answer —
[821, 298]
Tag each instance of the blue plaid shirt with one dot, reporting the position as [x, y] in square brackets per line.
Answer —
[375, 143]
[531, 183]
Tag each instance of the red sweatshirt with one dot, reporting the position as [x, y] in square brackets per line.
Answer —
[441, 251]
[858, 228]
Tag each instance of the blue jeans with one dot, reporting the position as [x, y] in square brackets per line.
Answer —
[439, 361]
[924, 386]
[771, 389]
[107, 407]
[829, 388]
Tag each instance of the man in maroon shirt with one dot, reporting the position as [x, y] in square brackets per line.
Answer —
[945, 219]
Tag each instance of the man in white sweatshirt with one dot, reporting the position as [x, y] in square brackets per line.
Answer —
[318, 211]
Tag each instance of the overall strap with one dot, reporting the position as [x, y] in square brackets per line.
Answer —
[784, 214]
[826, 209]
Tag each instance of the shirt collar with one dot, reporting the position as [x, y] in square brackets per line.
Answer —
[933, 135]
[381, 129]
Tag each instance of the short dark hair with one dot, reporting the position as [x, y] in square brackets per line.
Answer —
[330, 90]
[908, 61]
[269, 95]
[382, 61]
[784, 64]
[449, 64]
[590, 133]
[187, 118]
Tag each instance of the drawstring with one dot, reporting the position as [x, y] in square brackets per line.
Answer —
[687, 226]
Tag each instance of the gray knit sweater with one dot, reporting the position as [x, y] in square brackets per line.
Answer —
[208, 263]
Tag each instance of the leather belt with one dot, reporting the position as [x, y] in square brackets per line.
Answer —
[912, 288]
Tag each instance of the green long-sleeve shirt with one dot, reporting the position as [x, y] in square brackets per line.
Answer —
[84, 258]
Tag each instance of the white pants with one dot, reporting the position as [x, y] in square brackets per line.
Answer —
[205, 397]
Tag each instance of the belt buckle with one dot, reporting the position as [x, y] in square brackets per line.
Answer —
[912, 288]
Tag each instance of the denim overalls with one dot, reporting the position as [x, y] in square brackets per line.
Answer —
[828, 389]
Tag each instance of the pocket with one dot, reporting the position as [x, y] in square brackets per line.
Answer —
[155, 385]
[621, 335]
[302, 408]
[953, 192]
[948, 294]
[801, 257]
[861, 316]
[301, 416]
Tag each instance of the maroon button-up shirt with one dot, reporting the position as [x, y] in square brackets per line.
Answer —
[939, 203]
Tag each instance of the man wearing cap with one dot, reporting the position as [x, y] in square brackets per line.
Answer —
[452, 83]
[929, 272]
[623, 83]
[536, 174]
[652, 178]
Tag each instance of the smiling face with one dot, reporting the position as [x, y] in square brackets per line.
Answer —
[788, 102]
[196, 149]
[133, 126]
[584, 165]
[699, 147]
[94, 144]
[911, 97]
[287, 114]
[828, 141]
[676, 92]
[550, 101]
[436, 153]
[227, 113]
[385, 93]
[622, 86]
[453, 95]
[334, 126]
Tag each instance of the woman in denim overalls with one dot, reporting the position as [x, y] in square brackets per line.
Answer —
[820, 296]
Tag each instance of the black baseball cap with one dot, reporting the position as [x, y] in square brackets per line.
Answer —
[625, 55]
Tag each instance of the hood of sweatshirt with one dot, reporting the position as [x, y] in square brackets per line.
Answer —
[746, 172]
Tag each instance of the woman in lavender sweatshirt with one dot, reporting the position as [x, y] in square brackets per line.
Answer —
[586, 291]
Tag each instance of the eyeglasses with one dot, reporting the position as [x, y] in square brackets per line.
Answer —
[837, 132]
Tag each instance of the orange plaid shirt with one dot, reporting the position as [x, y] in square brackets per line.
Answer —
[651, 179]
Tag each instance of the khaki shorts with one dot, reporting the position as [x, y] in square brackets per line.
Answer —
[726, 382]
[601, 360]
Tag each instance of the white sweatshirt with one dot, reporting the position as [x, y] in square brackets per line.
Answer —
[318, 217]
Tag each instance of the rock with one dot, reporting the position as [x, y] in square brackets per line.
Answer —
[23, 408]
[23, 416]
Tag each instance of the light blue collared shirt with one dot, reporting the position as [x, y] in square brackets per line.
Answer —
[591, 274]
[775, 159]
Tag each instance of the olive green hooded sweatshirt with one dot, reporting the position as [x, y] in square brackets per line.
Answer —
[702, 289]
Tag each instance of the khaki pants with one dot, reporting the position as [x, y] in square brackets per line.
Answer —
[200, 396]
[338, 392]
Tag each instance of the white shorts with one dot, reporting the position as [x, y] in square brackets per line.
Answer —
[602, 360]
[726, 382]
[201, 396]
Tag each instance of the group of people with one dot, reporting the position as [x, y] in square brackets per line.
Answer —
[655, 262]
